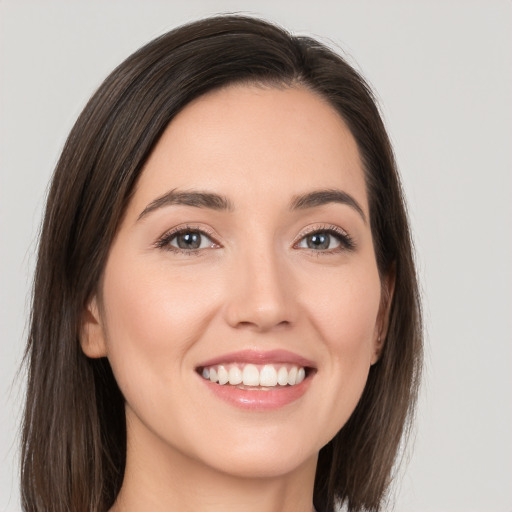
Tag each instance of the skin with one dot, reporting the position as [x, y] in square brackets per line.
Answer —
[254, 284]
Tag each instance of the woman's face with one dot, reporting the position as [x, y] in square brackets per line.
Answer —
[245, 255]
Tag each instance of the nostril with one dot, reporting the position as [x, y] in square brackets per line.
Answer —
[260, 302]
[261, 325]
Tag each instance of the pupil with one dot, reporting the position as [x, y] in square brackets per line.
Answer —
[189, 241]
[318, 241]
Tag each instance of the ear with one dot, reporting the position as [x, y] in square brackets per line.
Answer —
[92, 334]
[382, 324]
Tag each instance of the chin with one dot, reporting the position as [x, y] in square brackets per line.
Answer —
[265, 454]
[264, 464]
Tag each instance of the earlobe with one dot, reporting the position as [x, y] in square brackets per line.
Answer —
[92, 333]
[382, 325]
[377, 349]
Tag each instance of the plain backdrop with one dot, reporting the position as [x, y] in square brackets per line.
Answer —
[443, 74]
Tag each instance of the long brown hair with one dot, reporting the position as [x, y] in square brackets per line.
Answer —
[74, 432]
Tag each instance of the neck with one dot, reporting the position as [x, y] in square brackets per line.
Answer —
[164, 479]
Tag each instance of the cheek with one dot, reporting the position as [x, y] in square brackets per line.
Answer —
[345, 314]
[152, 317]
[345, 308]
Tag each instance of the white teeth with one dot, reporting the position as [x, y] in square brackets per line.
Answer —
[292, 376]
[282, 376]
[235, 375]
[268, 376]
[251, 375]
[222, 375]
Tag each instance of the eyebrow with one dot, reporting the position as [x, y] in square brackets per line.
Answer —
[197, 199]
[322, 197]
[213, 201]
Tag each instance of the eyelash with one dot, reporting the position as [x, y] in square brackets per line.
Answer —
[345, 240]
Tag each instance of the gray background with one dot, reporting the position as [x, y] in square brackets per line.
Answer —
[443, 75]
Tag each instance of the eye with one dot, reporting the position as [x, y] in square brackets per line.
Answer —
[186, 240]
[331, 239]
[190, 240]
[319, 241]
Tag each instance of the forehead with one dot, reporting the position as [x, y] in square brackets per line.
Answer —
[248, 140]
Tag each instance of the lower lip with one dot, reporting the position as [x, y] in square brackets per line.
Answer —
[259, 400]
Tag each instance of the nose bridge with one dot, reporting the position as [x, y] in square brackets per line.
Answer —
[260, 295]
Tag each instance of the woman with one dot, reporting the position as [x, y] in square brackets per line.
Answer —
[225, 308]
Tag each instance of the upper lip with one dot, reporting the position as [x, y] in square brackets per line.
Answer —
[259, 357]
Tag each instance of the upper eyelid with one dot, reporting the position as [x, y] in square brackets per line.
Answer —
[190, 227]
[308, 230]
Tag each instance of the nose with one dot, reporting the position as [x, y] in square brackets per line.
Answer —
[260, 293]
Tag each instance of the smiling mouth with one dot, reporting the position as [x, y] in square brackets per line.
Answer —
[249, 376]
